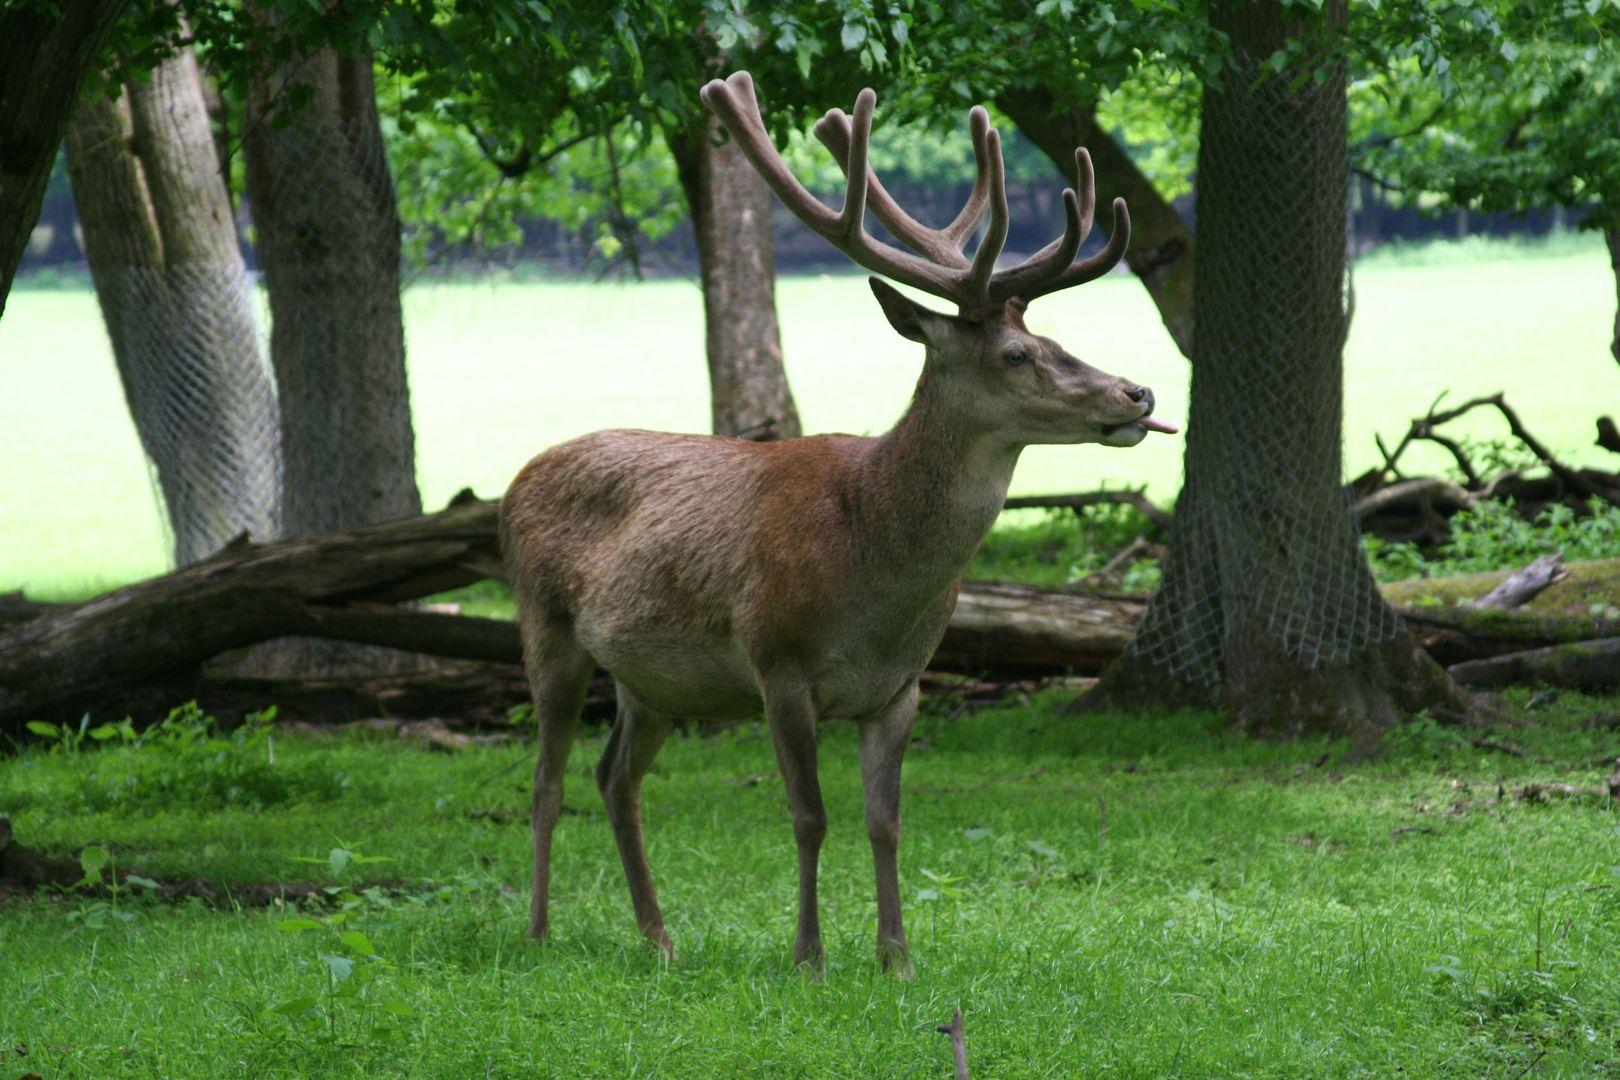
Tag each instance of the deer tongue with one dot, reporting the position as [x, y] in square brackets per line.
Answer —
[1158, 425]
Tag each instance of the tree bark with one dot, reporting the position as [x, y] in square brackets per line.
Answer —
[323, 202]
[328, 229]
[173, 291]
[730, 208]
[1611, 234]
[1589, 666]
[1267, 606]
[1161, 251]
[46, 52]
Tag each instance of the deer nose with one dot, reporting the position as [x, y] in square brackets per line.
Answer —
[1141, 394]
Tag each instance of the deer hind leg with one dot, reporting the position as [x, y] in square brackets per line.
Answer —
[638, 734]
[883, 746]
[792, 720]
[559, 675]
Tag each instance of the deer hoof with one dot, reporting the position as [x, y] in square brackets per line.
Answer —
[660, 937]
[896, 961]
[810, 958]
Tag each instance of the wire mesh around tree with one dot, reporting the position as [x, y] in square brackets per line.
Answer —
[1265, 544]
[189, 351]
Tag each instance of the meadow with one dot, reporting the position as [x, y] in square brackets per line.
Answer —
[1139, 896]
[1144, 896]
[502, 369]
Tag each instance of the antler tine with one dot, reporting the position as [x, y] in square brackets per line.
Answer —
[733, 101]
[1055, 257]
[833, 130]
[1051, 259]
[1096, 266]
[1086, 177]
[984, 259]
[967, 220]
[853, 217]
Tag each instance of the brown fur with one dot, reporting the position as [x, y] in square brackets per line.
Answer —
[813, 578]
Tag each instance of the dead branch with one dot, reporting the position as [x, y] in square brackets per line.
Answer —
[1524, 585]
[1078, 502]
[1608, 436]
[958, 1043]
[1416, 490]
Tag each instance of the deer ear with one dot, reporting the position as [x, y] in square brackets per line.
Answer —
[909, 318]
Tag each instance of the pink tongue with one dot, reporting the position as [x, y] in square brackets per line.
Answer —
[1158, 425]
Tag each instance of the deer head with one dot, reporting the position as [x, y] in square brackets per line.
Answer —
[982, 363]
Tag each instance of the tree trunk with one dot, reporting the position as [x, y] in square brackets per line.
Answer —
[1267, 605]
[1611, 234]
[46, 52]
[328, 226]
[329, 242]
[1161, 251]
[731, 219]
[174, 294]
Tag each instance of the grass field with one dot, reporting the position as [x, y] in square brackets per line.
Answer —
[500, 371]
[1142, 897]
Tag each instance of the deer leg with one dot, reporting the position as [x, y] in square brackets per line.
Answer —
[792, 721]
[637, 736]
[883, 746]
[559, 676]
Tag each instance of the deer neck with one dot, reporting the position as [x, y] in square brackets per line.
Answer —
[931, 490]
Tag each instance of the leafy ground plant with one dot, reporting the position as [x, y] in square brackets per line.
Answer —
[186, 758]
[1149, 896]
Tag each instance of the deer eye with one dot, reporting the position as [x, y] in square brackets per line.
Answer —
[1014, 357]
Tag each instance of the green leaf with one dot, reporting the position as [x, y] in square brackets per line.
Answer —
[853, 36]
[398, 1007]
[91, 860]
[297, 926]
[341, 967]
[43, 730]
[339, 860]
[103, 732]
[1045, 851]
[293, 1005]
[976, 833]
[929, 895]
[357, 941]
[142, 882]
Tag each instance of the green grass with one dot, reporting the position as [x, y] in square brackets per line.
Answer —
[1251, 909]
[500, 371]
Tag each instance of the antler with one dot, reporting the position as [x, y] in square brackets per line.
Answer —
[943, 267]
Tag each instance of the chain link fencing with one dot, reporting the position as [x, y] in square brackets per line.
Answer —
[1262, 547]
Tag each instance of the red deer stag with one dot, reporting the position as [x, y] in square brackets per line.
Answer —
[811, 578]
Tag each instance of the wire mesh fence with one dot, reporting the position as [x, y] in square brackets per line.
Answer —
[189, 350]
[1266, 545]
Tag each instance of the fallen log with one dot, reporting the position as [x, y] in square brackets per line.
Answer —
[1591, 666]
[143, 647]
[164, 628]
[1020, 631]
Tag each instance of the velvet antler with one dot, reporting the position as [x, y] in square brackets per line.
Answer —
[940, 265]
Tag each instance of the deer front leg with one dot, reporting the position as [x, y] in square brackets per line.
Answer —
[791, 717]
[883, 746]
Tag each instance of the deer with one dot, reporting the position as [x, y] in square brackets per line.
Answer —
[808, 579]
